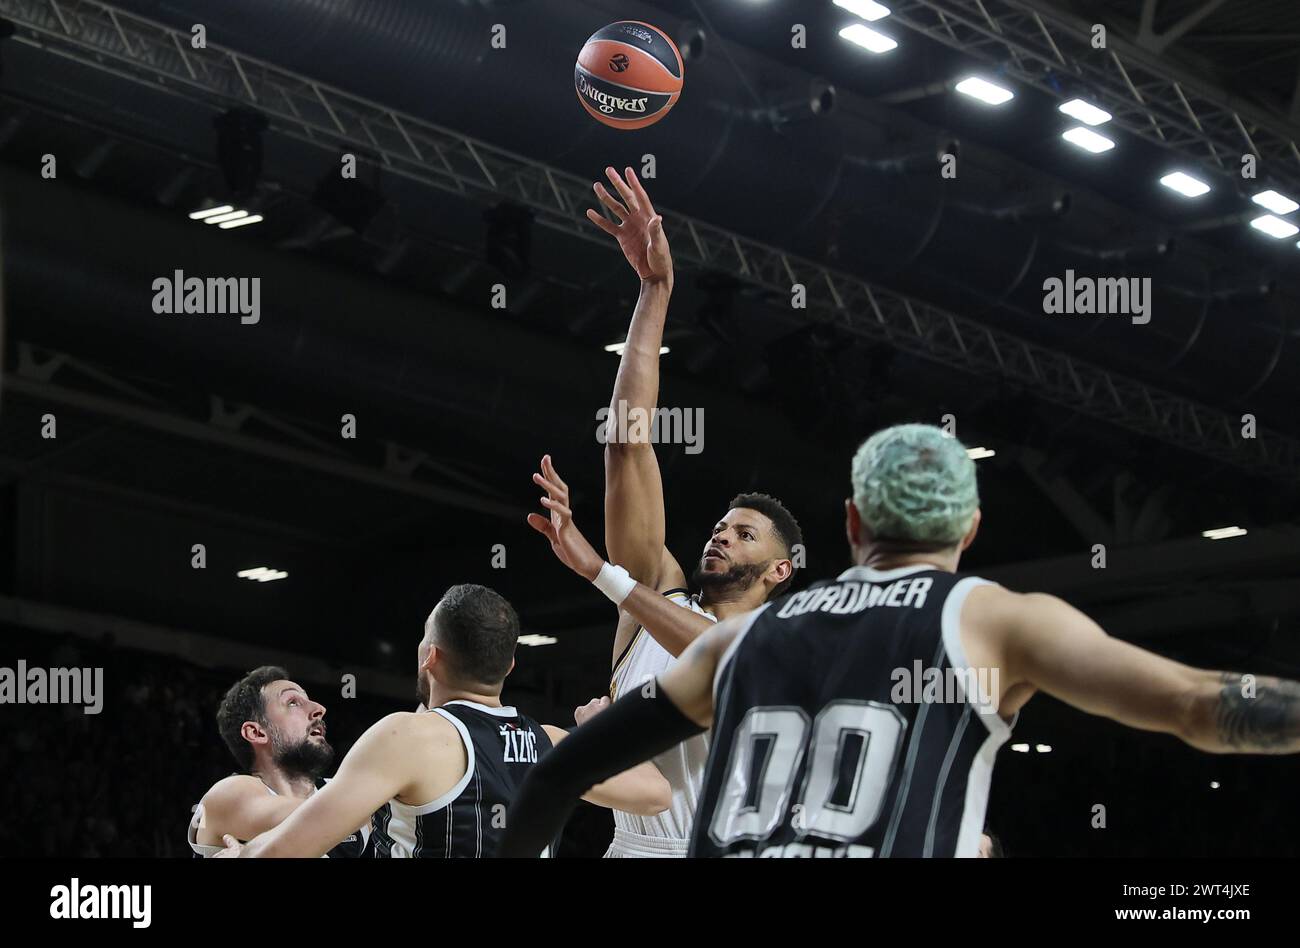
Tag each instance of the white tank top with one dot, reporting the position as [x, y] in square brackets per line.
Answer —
[669, 833]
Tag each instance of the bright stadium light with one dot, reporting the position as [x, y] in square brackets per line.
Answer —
[1020, 748]
[979, 454]
[262, 574]
[210, 212]
[1085, 112]
[241, 222]
[868, 38]
[1275, 227]
[1088, 140]
[1185, 184]
[867, 9]
[1043, 748]
[985, 91]
[1277, 203]
[618, 347]
[1223, 533]
[534, 639]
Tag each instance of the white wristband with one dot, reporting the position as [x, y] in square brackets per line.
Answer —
[614, 582]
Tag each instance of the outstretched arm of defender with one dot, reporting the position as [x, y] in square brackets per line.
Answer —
[239, 806]
[642, 724]
[669, 624]
[1051, 645]
[634, 498]
[642, 790]
[374, 771]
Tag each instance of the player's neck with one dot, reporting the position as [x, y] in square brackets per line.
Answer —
[885, 560]
[724, 603]
[441, 696]
[300, 786]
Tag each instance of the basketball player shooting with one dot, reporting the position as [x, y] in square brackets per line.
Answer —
[277, 735]
[818, 752]
[439, 783]
[746, 559]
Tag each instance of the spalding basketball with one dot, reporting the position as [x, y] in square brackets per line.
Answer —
[629, 74]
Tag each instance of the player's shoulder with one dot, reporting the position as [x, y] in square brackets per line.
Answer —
[993, 604]
[230, 791]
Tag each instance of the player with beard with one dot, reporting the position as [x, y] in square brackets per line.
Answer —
[746, 560]
[277, 734]
[440, 782]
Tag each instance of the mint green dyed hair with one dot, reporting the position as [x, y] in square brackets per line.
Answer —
[915, 483]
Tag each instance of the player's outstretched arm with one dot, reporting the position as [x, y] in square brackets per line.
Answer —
[669, 624]
[374, 771]
[634, 499]
[1055, 647]
[239, 806]
[642, 790]
[642, 724]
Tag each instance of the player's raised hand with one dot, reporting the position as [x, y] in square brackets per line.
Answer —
[566, 540]
[590, 709]
[639, 231]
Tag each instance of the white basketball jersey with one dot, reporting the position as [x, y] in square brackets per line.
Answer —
[669, 833]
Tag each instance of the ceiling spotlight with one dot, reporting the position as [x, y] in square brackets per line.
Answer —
[1185, 184]
[1020, 748]
[262, 574]
[984, 91]
[868, 38]
[535, 639]
[867, 9]
[1085, 112]
[618, 347]
[1223, 533]
[1275, 227]
[1214, 785]
[1043, 748]
[1088, 140]
[1277, 203]
[978, 454]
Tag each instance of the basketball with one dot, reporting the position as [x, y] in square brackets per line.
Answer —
[628, 75]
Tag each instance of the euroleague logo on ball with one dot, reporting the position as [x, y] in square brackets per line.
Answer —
[628, 74]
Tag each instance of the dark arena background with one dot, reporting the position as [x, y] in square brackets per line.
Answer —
[857, 243]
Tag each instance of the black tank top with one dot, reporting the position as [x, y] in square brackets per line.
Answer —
[847, 722]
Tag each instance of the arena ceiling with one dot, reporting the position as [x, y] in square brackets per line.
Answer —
[174, 431]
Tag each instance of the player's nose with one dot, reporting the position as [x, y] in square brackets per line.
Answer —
[318, 711]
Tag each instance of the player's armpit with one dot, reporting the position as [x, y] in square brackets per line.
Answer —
[642, 790]
[375, 770]
[240, 806]
[689, 682]
[1052, 646]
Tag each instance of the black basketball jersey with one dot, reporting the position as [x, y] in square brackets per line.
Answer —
[501, 745]
[847, 722]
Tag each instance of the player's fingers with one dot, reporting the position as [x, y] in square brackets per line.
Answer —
[603, 223]
[558, 507]
[626, 193]
[642, 199]
[551, 488]
[552, 474]
[230, 841]
[611, 202]
[541, 524]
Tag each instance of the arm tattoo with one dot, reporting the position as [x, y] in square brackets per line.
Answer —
[1267, 721]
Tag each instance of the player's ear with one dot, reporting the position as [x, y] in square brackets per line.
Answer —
[511, 668]
[852, 523]
[969, 538]
[783, 569]
[254, 733]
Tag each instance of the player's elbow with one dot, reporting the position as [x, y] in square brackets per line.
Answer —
[1196, 718]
